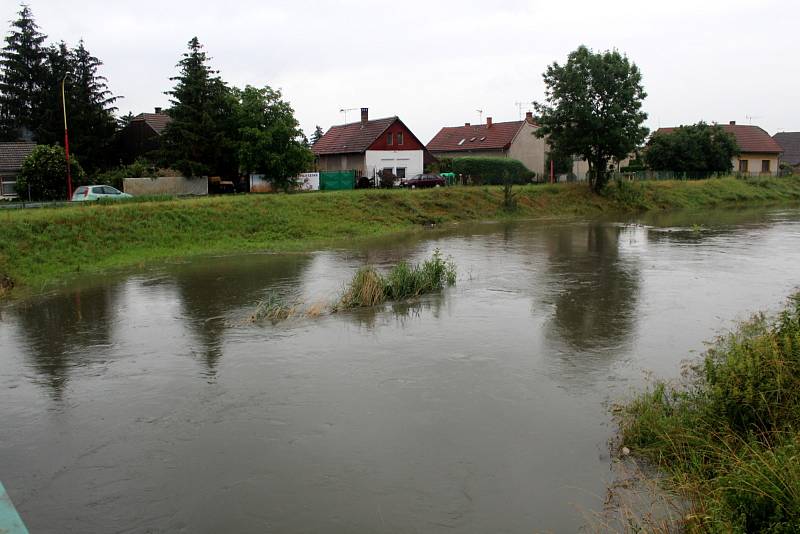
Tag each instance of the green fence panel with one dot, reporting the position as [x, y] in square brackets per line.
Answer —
[336, 180]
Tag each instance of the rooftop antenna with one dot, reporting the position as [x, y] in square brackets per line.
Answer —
[345, 110]
[480, 116]
[750, 118]
[521, 105]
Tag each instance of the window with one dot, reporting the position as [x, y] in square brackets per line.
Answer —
[389, 139]
[742, 165]
[399, 138]
[765, 165]
[401, 171]
[387, 171]
[461, 142]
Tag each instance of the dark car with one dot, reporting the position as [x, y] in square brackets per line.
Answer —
[423, 180]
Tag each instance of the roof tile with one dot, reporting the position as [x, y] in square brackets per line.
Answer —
[478, 137]
[352, 137]
[13, 154]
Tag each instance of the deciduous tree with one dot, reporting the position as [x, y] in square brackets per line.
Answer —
[593, 109]
[44, 174]
[697, 149]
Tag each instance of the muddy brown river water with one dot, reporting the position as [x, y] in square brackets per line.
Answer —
[143, 402]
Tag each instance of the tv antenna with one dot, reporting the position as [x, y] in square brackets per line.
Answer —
[480, 116]
[521, 105]
[345, 110]
[750, 118]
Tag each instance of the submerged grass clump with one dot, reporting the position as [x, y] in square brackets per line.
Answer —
[369, 288]
[272, 308]
[730, 437]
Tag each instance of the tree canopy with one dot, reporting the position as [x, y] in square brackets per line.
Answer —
[593, 109]
[271, 142]
[698, 148]
[44, 174]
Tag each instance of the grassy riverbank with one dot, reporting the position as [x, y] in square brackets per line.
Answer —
[42, 246]
[729, 436]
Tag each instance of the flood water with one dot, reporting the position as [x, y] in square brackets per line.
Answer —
[145, 402]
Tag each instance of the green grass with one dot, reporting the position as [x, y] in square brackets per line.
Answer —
[730, 437]
[39, 247]
[369, 288]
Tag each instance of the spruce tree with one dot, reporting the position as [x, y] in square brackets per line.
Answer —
[21, 70]
[201, 137]
[317, 135]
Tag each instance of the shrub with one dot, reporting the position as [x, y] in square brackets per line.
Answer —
[44, 174]
[492, 171]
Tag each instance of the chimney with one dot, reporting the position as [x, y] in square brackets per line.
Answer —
[733, 123]
[466, 124]
[158, 110]
[488, 122]
[364, 115]
[529, 116]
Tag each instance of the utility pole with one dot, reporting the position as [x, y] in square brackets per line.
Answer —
[480, 116]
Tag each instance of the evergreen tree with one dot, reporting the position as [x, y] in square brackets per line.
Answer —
[21, 69]
[58, 66]
[201, 137]
[317, 135]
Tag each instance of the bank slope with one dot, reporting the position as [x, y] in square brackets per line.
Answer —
[41, 246]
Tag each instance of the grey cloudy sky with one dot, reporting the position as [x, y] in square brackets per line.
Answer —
[434, 63]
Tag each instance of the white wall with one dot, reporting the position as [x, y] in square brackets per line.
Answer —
[382, 159]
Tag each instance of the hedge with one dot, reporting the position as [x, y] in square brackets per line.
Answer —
[492, 171]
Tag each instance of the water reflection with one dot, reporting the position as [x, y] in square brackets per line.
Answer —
[67, 331]
[215, 293]
[594, 290]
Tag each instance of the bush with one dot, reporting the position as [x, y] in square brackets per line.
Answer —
[138, 169]
[44, 174]
[492, 171]
[730, 438]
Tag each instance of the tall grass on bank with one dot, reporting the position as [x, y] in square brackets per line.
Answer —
[369, 288]
[730, 437]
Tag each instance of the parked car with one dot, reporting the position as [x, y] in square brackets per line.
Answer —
[96, 192]
[423, 180]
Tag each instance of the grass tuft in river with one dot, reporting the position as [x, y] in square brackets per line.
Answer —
[272, 308]
[729, 438]
[369, 288]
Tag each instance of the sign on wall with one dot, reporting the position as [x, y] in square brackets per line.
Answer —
[308, 181]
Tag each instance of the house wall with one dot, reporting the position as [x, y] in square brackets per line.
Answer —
[498, 153]
[341, 162]
[409, 141]
[754, 163]
[529, 149]
[411, 160]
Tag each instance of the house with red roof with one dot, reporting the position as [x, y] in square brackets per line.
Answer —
[142, 134]
[514, 139]
[12, 155]
[371, 147]
[759, 153]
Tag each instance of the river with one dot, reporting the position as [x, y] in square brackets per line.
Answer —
[145, 402]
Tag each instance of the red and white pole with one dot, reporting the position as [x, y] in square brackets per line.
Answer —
[66, 140]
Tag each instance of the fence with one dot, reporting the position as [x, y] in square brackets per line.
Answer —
[166, 185]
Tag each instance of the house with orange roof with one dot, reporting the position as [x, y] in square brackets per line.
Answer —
[759, 154]
[513, 139]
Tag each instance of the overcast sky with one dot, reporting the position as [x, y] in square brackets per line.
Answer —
[435, 63]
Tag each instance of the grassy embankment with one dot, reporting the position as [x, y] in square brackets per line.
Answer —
[729, 437]
[42, 246]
